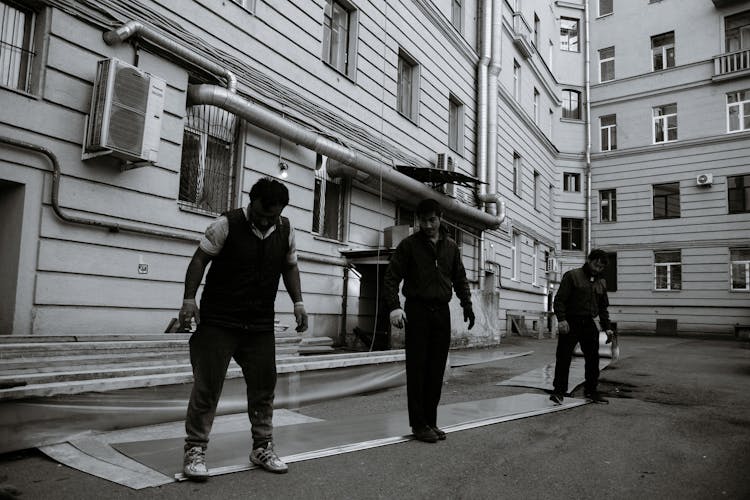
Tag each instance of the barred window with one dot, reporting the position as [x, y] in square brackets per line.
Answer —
[328, 203]
[207, 170]
[16, 45]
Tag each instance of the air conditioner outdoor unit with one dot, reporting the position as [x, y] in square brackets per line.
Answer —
[446, 161]
[126, 111]
[704, 180]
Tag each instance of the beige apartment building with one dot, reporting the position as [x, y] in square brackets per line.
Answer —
[127, 126]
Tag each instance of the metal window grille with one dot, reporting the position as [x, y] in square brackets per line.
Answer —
[16, 46]
[207, 168]
[328, 205]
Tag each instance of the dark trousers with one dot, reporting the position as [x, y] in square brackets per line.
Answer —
[583, 330]
[211, 349]
[428, 338]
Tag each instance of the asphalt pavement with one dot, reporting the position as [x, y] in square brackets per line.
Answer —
[677, 427]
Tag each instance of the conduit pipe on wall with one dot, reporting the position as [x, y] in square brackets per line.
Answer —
[272, 122]
[587, 90]
[492, 83]
[137, 28]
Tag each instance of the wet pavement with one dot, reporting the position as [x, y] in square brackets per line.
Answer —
[677, 426]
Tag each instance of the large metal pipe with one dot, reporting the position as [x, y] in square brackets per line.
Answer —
[137, 28]
[272, 122]
[587, 91]
[485, 43]
[492, 85]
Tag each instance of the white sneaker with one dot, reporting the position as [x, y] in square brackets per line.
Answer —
[194, 464]
[268, 459]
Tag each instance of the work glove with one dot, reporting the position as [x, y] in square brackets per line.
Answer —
[398, 318]
[563, 327]
[189, 311]
[609, 334]
[300, 315]
[469, 316]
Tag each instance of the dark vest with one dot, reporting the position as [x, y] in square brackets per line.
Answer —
[243, 278]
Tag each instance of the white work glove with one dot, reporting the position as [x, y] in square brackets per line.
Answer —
[398, 318]
[609, 334]
[189, 311]
[563, 327]
[300, 315]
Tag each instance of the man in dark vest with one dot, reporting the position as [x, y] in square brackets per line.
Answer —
[249, 250]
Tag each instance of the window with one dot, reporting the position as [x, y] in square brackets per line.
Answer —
[551, 195]
[535, 265]
[16, 46]
[667, 200]
[668, 270]
[737, 31]
[517, 174]
[608, 127]
[408, 86]
[456, 125]
[610, 272]
[571, 104]
[536, 30]
[605, 7]
[738, 192]
[207, 169]
[537, 193]
[515, 255]
[328, 203]
[457, 16]
[405, 216]
[516, 80]
[608, 202]
[571, 237]
[607, 64]
[738, 111]
[571, 182]
[339, 36]
[569, 34]
[740, 269]
[662, 51]
[536, 106]
[665, 123]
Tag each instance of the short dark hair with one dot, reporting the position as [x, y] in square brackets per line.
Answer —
[600, 255]
[270, 193]
[429, 206]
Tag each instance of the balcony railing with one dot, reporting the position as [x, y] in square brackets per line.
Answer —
[731, 64]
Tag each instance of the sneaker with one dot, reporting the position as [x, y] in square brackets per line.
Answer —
[440, 433]
[194, 464]
[596, 397]
[556, 398]
[268, 459]
[424, 434]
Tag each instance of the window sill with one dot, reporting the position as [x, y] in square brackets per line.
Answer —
[326, 239]
[666, 218]
[339, 72]
[21, 92]
[664, 142]
[666, 291]
[746, 290]
[572, 120]
[185, 207]
[412, 120]
[605, 15]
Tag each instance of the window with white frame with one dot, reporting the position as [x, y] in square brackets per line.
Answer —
[738, 111]
[537, 191]
[516, 80]
[662, 51]
[536, 106]
[515, 256]
[455, 125]
[740, 269]
[17, 25]
[408, 86]
[605, 7]
[571, 182]
[668, 270]
[535, 265]
[666, 200]
[737, 31]
[665, 123]
[339, 36]
[608, 203]
[607, 64]
[571, 104]
[738, 193]
[457, 15]
[571, 237]
[328, 203]
[608, 128]
[207, 168]
[569, 34]
[517, 174]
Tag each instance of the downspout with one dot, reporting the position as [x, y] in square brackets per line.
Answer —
[485, 47]
[587, 89]
[491, 198]
[272, 122]
[136, 28]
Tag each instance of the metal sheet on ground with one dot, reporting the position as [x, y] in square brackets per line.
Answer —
[228, 452]
[541, 378]
[465, 358]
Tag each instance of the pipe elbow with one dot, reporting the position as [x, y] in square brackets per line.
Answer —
[207, 94]
[122, 33]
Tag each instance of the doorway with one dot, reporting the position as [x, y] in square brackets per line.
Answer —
[11, 207]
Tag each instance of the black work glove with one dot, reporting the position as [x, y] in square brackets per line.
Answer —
[469, 316]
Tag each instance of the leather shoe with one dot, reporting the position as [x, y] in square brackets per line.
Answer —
[424, 434]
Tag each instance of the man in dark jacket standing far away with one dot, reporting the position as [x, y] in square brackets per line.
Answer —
[581, 298]
[249, 250]
[429, 263]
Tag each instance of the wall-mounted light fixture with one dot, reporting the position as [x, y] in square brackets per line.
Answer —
[283, 170]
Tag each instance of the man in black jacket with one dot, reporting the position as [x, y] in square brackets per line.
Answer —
[429, 263]
[249, 250]
[581, 298]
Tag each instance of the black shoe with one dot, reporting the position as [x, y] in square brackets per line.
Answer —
[556, 398]
[440, 433]
[596, 397]
[424, 434]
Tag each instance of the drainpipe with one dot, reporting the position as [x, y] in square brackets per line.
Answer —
[484, 60]
[272, 122]
[136, 28]
[587, 90]
[494, 71]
